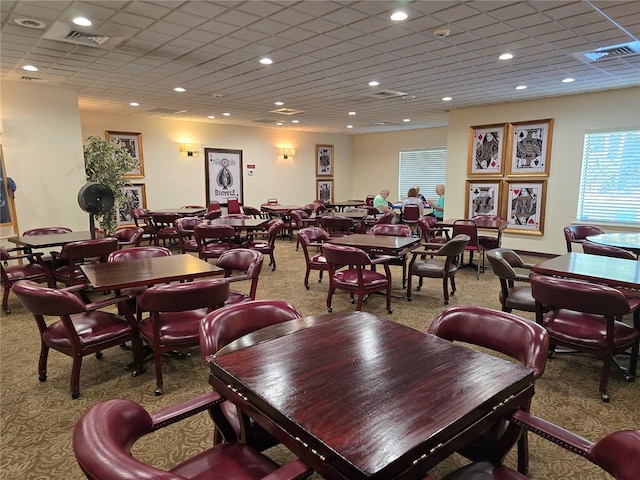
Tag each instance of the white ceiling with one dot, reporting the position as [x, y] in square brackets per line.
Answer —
[324, 54]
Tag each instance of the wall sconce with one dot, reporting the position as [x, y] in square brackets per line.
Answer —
[288, 153]
[189, 150]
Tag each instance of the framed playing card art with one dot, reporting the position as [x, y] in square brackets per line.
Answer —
[487, 150]
[525, 202]
[530, 148]
[483, 198]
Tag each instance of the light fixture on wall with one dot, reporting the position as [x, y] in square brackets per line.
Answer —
[288, 153]
[189, 150]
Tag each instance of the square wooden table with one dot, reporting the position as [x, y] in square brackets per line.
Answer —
[49, 240]
[183, 211]
[240, 223]
[378, 244]
[148, 271]
[359, 397]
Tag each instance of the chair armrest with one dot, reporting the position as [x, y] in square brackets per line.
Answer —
[380, 259]
[74, 288]
[291, 471]
[185, 409]
[522, 278]
[90, 307]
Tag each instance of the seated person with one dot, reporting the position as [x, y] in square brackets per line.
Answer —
[420, 196]
[380, 201]
[438, 205]
[412, 199]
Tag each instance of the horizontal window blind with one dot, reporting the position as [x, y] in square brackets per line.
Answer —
[426, 168]
[610, 181]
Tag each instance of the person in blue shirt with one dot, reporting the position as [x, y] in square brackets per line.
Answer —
[438, 205]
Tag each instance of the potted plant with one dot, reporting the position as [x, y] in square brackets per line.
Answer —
[107, 163]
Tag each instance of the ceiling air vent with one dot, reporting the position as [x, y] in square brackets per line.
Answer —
[287, 111]
[27, 78]
[84, 38]
[62, 33]
[615, 51]
[166, 111]
[386, 94]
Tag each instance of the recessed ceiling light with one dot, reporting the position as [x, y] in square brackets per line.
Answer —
[521, 87]
[349, 126]
[399, 16]
[406, 120]
[226, 114]
[30, 68]
[180, 89]
[374, 83]
[279, 103]
[446, 99]
[82, 21]
[279, 124]
[211, 116]
[505, 56]
[568, 80]
[352, 113]
[295, 121]
[134, 104]
[266, 61]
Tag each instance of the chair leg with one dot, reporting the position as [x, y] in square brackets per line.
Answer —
[409, 287]
[273, 262]
[523, 453]
[306, 278]
[329, 296]
[42, 362]
[445, 289]
[75, 376]
[389, 298]
[359, 304]
[5, 299]
[157, 360]
[604, 378]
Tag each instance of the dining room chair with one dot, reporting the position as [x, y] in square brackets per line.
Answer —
[253, 212]
[296, 223]
[30, 266]
[212, 240]
[384, 219]
[578, 234]
[435, 260]
[266, 246]
[66, 263]
[82, 329]
[593, 248]
[213, 206]
[617, 453]
[431, 232]
[313, 238]
[142, 218]
[587, 317]
[223, 326]
[395, 230]
[166, 229]
[233, 205]
[106, 434]
[338, 226]
[469, 227]
[212, 214]
[411, 216]
[356, 278]
[515, 285]
[369, 200]
[490, 242]
[175, 312]
[186, 238]
[129, 236]
[241, 265]
[506, 334]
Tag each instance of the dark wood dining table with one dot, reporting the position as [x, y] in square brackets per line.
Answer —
[148, 271]
[184, 211]
[340, 206]
[378, 244]
[49, 240]
[281, 209]
[627, 241]
[359, 397]
[614, 272]
[240, 223]
[481, 222]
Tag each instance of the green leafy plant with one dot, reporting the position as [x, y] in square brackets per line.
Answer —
[107, 163]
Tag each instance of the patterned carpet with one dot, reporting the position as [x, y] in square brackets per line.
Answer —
[37, 418]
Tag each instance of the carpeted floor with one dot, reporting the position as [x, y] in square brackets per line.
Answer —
[37, 418]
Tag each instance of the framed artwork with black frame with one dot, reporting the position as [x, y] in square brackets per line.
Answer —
[132, 141]
[483, 198]
[135, 196]
[223, 175]
[525, 205]
[324, 190]
[530, 144]
[324, 160]
[487, 147]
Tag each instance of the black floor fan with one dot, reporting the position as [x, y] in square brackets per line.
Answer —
[95, 199]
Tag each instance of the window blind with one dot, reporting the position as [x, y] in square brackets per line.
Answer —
[610, 180]
[426, 168]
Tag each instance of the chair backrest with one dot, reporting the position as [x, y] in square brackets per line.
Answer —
[223, 326]
[233, 205]
[213, 214]
[82, 249]
[427, 224]
[138, 253]
[344, 255]
[297, 216]
[141, 216]
[453, 247]
[563, 293]
[185, 225]
[309, 235]
[504, 261]
[274, 230]
[204, 232]
[579, 233]
[47, 301]
[369, 200]
[411, 212]
[180, 297]
[619, 454]
[243, 259]
[251, 211]
[386, 218]
[45, 231]
[165, 220]
[467, 227]
[395, 230]
[273, 201]
[129, 235]
[606, 250]
[503, 332]
[213, 206]
[338, 224]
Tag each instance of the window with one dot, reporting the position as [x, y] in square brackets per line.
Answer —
[610, 181]
[426, 168]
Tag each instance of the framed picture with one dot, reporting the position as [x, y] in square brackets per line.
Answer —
[530, 147]
[324, 190]
[525, 203]
[223, 175]
[133, 143]
[135, 196]
[487, 149]
[483, 197]
[324, 160]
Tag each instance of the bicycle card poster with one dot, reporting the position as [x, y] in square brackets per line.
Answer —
[525, 206]
[530, 148]
[223, 173]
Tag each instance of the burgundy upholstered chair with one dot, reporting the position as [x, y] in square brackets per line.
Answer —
[166, 229]
[175, 312]
[129, 236]
[338, 226]
[82, 329]
[504, 262]
[46, 231]
[236, 215]
[587, 317]
[233, 205]
[395, 230]
[606, 251]
[106, 432]
[66, 263]
[313, 237]
[222, 327]
[212, 240]
[617, 453]
[384, 219]
[213, 214]
[357, 279]
[490, 242]
[268, 246]
[505, 333]
[253, 212]
[296, 223]
[411, 215]
[244, 260]
[32, 268]
[142, 218]
[213, 206]
[185, 227]
[579, 234]
[469, 227]
[431, 233]
[436, 260]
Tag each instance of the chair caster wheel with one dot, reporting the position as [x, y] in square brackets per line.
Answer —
[7, 311]
[408, 299]
[75, 395]
[605, 397]
[99, 355]
[307, 287]
[628, 378]
[42, 377]
[158, 391]
[550, 355]
[329, 309]
[446, 302]
[138, 371]
[390, 311]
